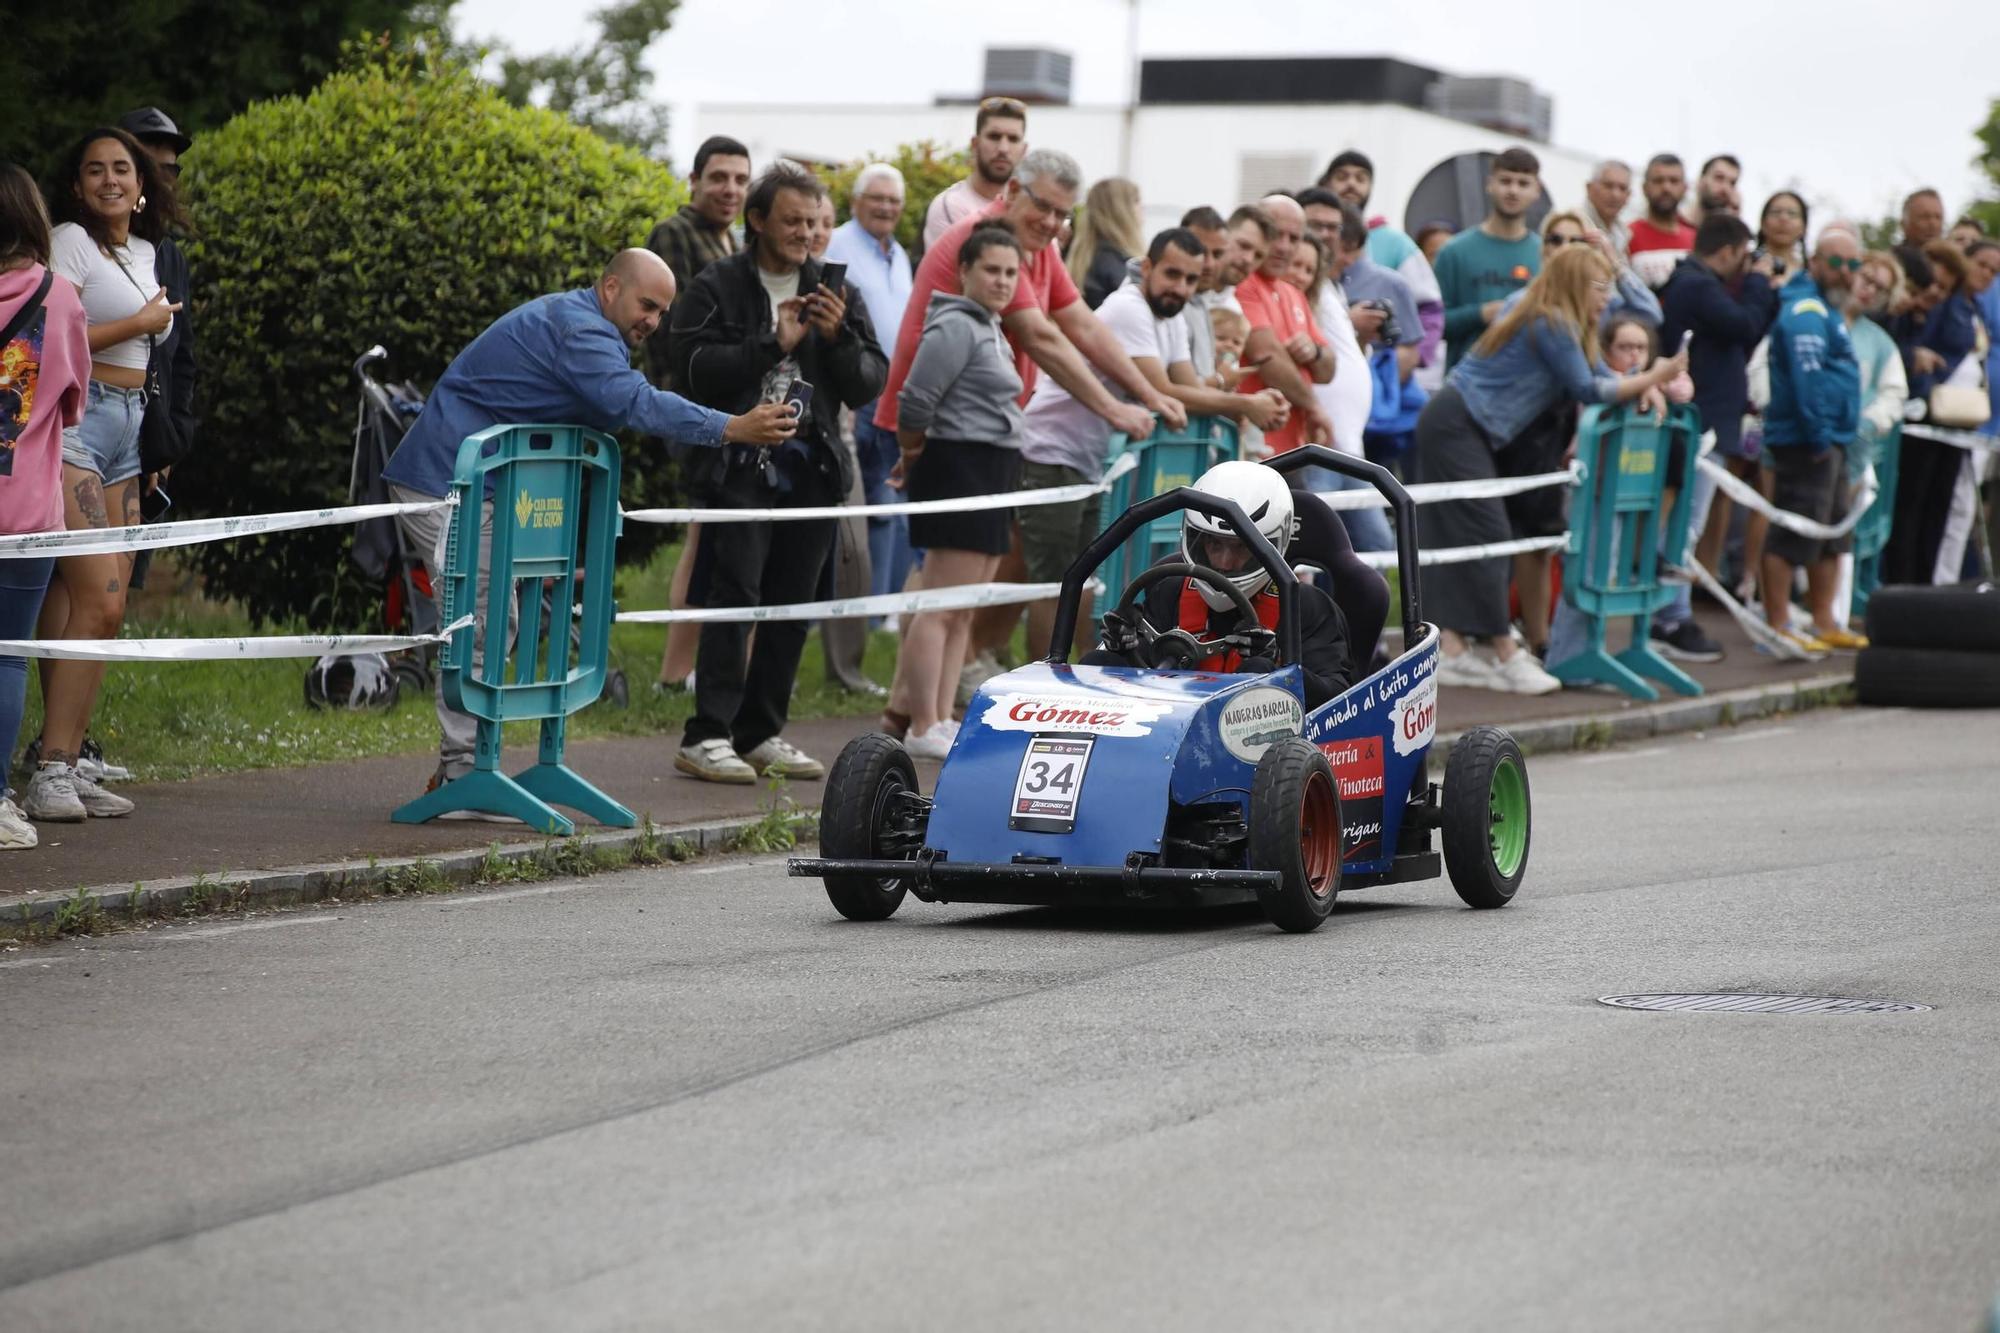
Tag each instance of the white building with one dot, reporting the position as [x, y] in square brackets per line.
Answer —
[1218, 133]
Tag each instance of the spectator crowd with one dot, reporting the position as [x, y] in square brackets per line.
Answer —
[795, 359]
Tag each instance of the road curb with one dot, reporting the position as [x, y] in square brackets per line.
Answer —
[40, 914]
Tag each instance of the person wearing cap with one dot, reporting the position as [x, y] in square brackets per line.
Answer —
[175, 355]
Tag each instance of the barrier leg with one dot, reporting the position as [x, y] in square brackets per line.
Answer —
[1641, 659]
[1595, 666]
[554, 782]
[487, 790]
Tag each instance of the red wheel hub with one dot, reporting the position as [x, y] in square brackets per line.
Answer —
[1319, 835]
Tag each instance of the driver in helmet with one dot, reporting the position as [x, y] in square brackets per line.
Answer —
[1210, 615]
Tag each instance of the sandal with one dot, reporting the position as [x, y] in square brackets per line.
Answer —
[895, 723]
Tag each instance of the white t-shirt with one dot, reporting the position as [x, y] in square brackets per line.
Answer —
[777, 382]
[109, 295]
[1061, 430]
[1350, 396]
[952, 204]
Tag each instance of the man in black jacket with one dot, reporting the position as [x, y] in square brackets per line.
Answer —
[1725, 299]
[748, 330]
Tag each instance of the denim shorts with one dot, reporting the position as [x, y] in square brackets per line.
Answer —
[107, 442]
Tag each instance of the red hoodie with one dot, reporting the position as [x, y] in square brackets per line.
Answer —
[43, 371]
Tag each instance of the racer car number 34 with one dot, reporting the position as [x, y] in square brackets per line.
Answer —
[1050, 780]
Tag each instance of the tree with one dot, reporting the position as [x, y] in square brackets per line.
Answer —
[404, 202]
[70, 67]
[602, 86]
[928, 169]
[1988, 210]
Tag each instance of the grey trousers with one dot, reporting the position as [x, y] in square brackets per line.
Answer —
[424, 534]
[845, 642]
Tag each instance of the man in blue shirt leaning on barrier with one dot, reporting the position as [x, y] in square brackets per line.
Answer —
[564, 359]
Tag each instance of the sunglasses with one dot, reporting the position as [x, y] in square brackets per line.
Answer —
[1004, 106]
[1558, 241]
[1851, 265]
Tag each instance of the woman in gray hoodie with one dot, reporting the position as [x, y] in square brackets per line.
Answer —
[959, 431]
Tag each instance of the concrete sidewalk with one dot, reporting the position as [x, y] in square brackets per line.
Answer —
[330, 814]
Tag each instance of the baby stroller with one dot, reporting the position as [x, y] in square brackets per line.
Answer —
[377, 680]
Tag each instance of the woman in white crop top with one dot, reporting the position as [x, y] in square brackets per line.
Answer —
[114, 203]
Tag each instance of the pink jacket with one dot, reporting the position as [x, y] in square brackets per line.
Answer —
[44, 369]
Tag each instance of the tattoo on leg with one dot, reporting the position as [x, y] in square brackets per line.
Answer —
[59, 757]
[111, 585]
[133, 514]
[90, 502]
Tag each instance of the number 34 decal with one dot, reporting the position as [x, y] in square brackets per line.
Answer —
[1046, 788]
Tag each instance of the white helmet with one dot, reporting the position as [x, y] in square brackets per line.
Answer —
[1265, 500]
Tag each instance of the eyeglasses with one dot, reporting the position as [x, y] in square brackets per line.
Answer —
[1851, 265]
[1045, 208]
[892, 200]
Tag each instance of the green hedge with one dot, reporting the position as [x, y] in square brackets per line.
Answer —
[928, 169]
[402, 202]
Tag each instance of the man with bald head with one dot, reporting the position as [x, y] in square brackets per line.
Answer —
[565, 358]
[1814, 410]
[1291, 353]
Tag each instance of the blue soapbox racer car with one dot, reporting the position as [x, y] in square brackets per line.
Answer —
[1175, 787]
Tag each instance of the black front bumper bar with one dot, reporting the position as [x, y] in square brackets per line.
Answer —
[1029, 882]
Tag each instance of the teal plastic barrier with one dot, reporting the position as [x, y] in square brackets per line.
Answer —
[1166, 459]
[1871, 533]
[554, 491]
[1611, 567]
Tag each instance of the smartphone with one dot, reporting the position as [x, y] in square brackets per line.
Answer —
[800, 396]
[833, 277]
[154, 503]
[1687, 336]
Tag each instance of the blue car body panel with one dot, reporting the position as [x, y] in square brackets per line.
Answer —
[1376, 735]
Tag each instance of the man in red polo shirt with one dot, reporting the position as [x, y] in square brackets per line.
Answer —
[1048, 324]
[1269, 302]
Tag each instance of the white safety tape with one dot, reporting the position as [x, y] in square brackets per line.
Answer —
[210, 650]
[893, 603]
[1747, 495]
[1431, 492]
[1754, 625]
[959, 505]
[1458, 555]
[152, 536]
[1962, 439]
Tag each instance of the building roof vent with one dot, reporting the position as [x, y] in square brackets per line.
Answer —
[1032, 74]
[1511, 106]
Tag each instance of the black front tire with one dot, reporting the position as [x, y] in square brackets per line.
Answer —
[860, 790]
[1487, 817]
[1295, 830]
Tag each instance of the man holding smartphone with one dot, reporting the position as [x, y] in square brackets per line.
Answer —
[768, 325]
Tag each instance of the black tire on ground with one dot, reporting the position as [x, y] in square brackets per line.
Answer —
[1965, 617]
[1482, 854]
[1295, 830]
[1927, 678]
[617, 690]
[870, 771]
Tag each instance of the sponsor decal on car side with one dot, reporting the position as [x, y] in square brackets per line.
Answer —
[1258, 718]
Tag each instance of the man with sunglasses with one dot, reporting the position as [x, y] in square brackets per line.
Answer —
[999, 142]
[1814, 410]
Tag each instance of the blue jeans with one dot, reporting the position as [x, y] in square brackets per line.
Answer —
[1368, 529]
[1681, 610]
[889, 556]
[22, 583]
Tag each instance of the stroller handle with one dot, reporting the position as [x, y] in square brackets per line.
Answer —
[368, 358]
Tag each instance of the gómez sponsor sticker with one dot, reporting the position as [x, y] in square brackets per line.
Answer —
[1413, 719]
[1258, 718]
[1084, 714]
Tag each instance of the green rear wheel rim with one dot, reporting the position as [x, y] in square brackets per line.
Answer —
[1507, 806]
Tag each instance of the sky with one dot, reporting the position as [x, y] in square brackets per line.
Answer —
[1826, 100]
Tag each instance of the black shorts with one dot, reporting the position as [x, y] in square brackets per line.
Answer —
[949, 469]
[1814, 488]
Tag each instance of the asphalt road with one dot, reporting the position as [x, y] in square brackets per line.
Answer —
[696, 1099]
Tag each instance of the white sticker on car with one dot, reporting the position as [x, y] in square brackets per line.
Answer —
[1413, 719]
[1081, 714]
[1258, 718]
[1050, 780]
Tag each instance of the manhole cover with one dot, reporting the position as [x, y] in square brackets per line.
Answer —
[1733, 1002]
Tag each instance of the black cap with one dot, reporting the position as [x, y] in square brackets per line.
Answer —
[149, 122]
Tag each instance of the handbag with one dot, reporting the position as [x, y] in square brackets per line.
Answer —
[1959, 406]
[160, 445]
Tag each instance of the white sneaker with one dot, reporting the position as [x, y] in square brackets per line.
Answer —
[713, 761]
[1522, 674]
[97, 802]
[52, 796]
[16, 833]
[1475, 669]
[779, 758]
[933, 744]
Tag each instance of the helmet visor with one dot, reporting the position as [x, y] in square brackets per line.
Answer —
[1223, 554]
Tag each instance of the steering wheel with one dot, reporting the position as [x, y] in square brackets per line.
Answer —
[1179, 649]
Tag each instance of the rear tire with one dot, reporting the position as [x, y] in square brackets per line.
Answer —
[1487, 817]
[871, 770]
[1295, 830]
[1927, 678]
